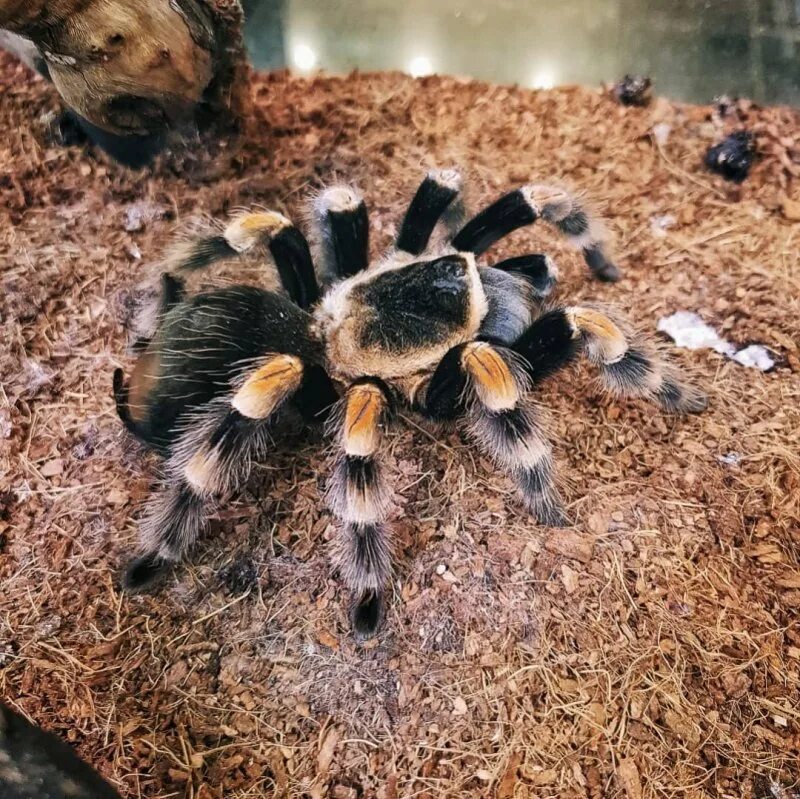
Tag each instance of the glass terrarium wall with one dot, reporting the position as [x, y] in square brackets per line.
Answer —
[693, 49]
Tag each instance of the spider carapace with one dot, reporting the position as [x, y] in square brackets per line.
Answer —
[426, 328]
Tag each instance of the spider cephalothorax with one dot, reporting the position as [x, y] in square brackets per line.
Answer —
[425, 327]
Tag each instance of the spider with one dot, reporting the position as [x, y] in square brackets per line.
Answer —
[425, 328]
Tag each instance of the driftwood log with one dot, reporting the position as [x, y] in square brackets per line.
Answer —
[137, 68]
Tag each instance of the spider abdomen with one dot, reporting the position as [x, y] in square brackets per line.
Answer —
[202, 345]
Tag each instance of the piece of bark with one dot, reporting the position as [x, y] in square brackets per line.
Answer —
[137, 69]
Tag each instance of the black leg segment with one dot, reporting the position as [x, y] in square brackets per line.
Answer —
[548, 345]
[443, 398]
[316, 396]
[507, 214]
[247, 232]
[342, 226]
[434, 196]
[600, 265]
[565, 212]
[539, 270]
[292, 257]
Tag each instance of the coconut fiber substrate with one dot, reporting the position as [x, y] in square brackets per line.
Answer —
[651, 650]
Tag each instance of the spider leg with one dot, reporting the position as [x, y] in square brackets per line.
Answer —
[341, 225]
[487, 386]
[513, 299]
[537, 269]
[437, 196]
[212, 457]
[524, 207]
[120, 390]
[628, 365]
[285, 242]
[359, 496]
[171, 292]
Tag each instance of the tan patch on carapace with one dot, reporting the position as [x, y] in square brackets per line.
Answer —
[491, 376]
[341, 317]
[364, 407]
[268, 386]
[609, 340]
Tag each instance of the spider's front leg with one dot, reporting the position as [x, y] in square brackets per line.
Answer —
[359, 495]
[213, 456]
[551, 204]
[438, 197]
[486, 386]
[628, 364]
[340, 222]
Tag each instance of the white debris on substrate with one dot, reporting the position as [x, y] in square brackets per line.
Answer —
[755, 356]
[661, 132]
[730, 459]
[687, 329]
[661, 224]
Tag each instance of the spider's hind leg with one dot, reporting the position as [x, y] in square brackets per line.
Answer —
[211, 458]
[537, 269]
[438, 197]
[340, 222]
[359, 495]
[172, 291]
[120, 391]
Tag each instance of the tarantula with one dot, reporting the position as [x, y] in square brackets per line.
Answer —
[426, 328]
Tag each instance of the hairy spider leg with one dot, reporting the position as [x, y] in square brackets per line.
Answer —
[628, 365]
[245, 233]
[212, 457]
[359, 495]
[537, 269]
[486, 386]
[438, 195]
[120, 390]
[524, 207]
[340, 222]
[172, 290]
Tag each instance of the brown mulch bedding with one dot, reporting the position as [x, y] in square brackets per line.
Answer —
[652, 651]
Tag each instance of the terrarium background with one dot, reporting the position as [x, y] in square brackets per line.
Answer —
[693, 49]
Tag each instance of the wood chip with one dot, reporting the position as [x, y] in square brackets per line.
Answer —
[791, 210]
[326, 750]
[327, 638]
[570, 579]
[570, 545]
[52, 468]
[629, 779]
[460, 706]
[509, 780]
